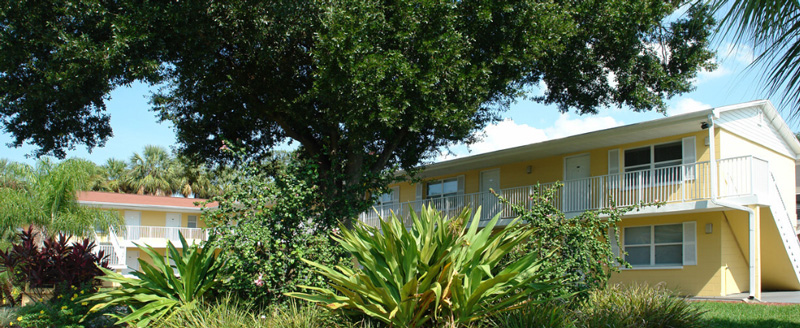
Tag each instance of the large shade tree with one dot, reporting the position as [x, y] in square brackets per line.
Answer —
[364, 86]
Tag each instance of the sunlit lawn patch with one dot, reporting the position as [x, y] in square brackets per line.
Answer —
[725, 314]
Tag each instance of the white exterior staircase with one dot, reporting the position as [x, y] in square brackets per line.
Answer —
[786, 227]
[113, 249]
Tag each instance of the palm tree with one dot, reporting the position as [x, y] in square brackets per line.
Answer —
[195, 179]
[12, 174]
[773, 29]
[115, 171]
[48, 200]
[154, 172]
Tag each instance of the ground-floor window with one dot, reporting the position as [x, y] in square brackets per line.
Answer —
[654, 245]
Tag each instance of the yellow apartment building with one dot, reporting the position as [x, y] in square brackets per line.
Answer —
[151, 220]
[727, 176]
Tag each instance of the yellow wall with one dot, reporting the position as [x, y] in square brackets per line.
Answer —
[733, 229]
[776, 271]
[705, 278]
[159, 218]
[733, 145]
[551, 169]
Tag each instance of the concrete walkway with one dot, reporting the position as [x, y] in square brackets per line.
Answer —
[766, 297]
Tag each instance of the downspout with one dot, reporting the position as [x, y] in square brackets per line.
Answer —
[715, 200]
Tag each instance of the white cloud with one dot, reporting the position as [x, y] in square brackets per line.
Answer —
[565, 125]
[739, 53]
[704, 75]
[686, 105]
[731, 58]
[508, 134]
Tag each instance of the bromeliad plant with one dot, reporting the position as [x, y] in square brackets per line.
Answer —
[438, 271]
[158, 290]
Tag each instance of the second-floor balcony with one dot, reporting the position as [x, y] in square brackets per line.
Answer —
[134, 233]
[738, 176]
[156, 236]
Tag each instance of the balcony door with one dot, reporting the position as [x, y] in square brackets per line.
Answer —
[133, 219]
[131, 262]
[577, 186]
[490, 179]
[174, 222]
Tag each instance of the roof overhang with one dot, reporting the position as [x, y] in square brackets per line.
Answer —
[663, 127]
[143, 207]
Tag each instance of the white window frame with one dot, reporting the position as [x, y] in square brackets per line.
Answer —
[381, 201]
[653, 245]
[651, 166]
[442, 182]
[189, 221]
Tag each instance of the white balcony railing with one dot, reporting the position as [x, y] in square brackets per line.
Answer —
[110, 252]
[738, 176]
[134, 233]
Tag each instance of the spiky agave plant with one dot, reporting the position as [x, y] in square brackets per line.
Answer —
[157, 291]
[439, 270]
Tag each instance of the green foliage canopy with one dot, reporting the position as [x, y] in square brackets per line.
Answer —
[364, 86]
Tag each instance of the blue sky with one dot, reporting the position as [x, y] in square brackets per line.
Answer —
[135, 126]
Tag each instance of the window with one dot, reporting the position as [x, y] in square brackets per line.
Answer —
[192, 221]
[659, 163]
[657, 245]
[390, 197]
[442, 188]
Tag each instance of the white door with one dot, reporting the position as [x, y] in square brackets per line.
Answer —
[490, 205]
[133, 219]
[577, 186]
[131, 262]
[172, 224]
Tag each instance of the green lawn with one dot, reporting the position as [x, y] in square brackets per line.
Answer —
[750, 315]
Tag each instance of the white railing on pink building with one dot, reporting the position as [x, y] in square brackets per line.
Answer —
[738, 176]
[133, 233]
[111, 254]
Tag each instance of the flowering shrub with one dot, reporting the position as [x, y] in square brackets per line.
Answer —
[266, 221]
[581, 250]
[67, 309]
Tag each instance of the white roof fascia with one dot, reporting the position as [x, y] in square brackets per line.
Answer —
[126, 206]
